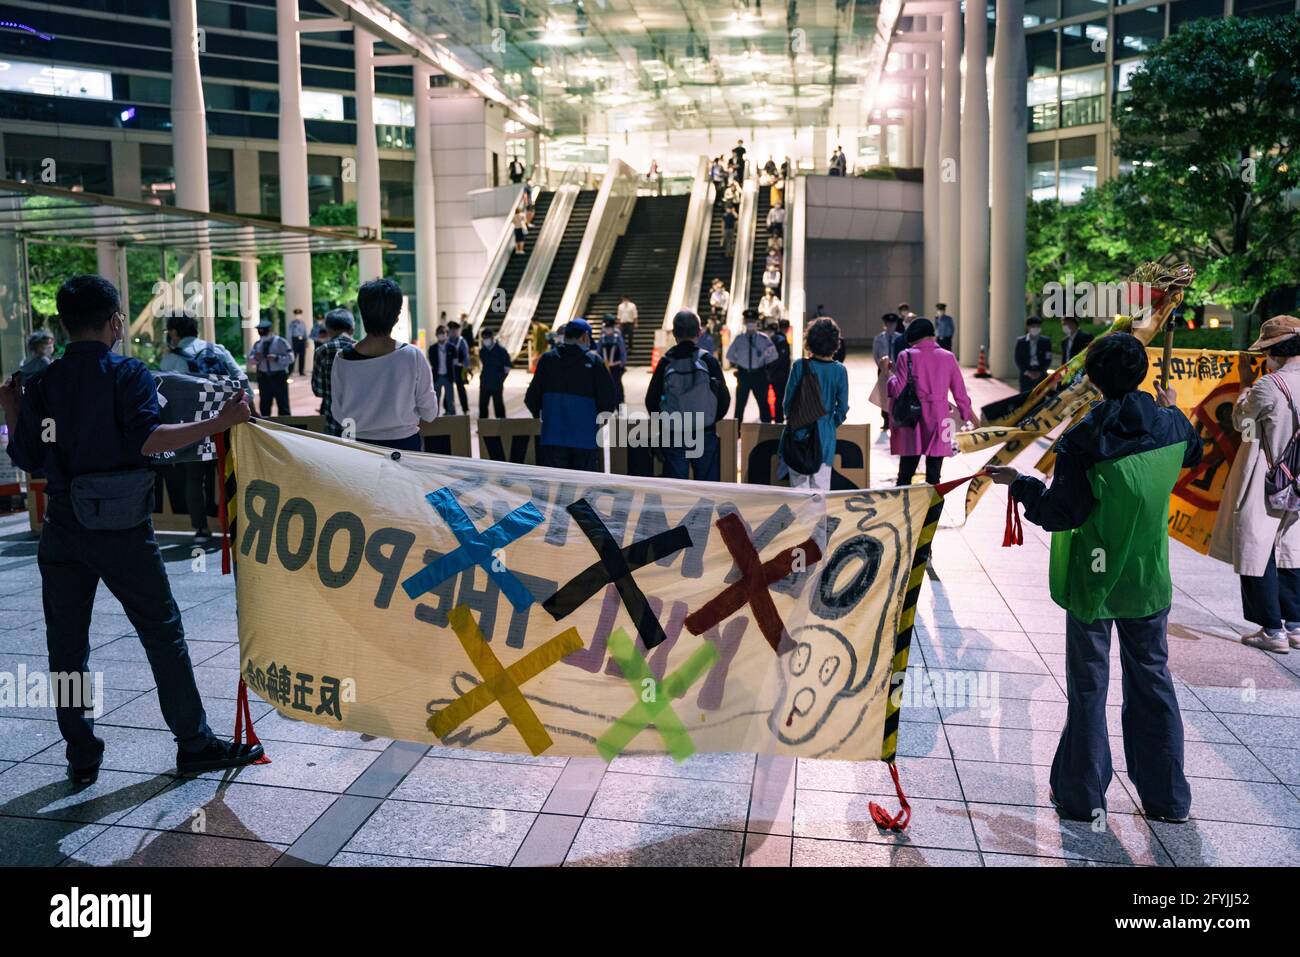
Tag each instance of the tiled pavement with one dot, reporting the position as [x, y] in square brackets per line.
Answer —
[976, 771]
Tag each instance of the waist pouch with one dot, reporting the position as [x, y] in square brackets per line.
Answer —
[113, 501]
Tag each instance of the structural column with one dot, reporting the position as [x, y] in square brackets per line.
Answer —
[950, 172]
[1009, 156]
[190, 141]
[294, 208]
[426, 252]
[917, 62]
[930, 224]
[973, 320]
[370, 260]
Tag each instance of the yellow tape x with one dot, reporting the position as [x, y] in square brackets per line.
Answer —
[500, 683]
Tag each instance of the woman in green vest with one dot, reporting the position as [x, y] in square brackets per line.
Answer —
[1108, 510]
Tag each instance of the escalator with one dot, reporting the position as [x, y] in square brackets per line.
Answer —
[642, 268]
[717, 261]
[566, 252]
[758, 263]
[515, 267]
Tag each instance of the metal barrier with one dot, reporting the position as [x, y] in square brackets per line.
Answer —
[695, 245]
[609, 218]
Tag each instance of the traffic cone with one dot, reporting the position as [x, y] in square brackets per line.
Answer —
[771, 401]
[654, 358]
[982, 370]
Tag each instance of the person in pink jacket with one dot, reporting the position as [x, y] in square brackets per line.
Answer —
[935, 373]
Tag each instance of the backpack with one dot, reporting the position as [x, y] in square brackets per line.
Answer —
[801, 445]
[206, 362]
[1282, 480]
[907, 407]
[688, 390]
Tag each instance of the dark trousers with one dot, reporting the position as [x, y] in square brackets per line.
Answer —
[755, 382]
[1027, 384]
[706, 467]
[200, 486]
[1273, 598]
[945, 342]
[629, 332]
[411, 443]
[1153, 727]
[73, 560]
[498, 401]
[616, 374]
[300, 354]
[567, 457]
[273, 387]
[907, 468]
[446, 395]
[461, 391]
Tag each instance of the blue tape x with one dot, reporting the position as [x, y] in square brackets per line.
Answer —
[476, 548]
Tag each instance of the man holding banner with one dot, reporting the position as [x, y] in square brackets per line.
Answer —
[101, 411]
[1110, 564]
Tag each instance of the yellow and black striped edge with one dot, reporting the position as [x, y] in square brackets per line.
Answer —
[232, 496]
[903, 641]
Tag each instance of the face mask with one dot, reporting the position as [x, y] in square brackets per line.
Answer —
[487, 343]
[1272, 363]
[751, 327]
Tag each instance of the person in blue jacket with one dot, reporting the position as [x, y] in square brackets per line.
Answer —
[569, 390]
[822, 339]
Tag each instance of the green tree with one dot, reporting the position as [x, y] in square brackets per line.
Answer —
[1209, 127]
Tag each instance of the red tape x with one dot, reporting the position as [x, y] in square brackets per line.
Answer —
[756, 579]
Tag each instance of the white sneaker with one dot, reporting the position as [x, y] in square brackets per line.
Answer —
[1293, 638]
[1266, 642]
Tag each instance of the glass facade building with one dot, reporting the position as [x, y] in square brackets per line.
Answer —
[1081, 54]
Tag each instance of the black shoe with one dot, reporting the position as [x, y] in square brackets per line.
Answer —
[83, 777]
[1063, 813]
[1166, 818]
[202, 537]
[217, 754]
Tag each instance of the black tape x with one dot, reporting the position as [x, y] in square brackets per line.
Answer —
[617, 565]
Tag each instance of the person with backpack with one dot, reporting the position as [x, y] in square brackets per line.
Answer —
[814, 414]
[1132, 448]
[688, 383]
[1262, 541]
[570, 388]
[919, 384]
[189, 354]
[91, 422]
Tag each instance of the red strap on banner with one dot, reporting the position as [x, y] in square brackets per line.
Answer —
[1014, 533]
[943, 488]
[244, 719]
[223, 514]
[884, 820]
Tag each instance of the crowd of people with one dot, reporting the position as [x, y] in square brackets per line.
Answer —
[378, 389]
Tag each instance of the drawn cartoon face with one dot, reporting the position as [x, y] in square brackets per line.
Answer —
[814, 675]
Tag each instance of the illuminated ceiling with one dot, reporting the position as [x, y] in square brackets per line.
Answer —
[610, 66]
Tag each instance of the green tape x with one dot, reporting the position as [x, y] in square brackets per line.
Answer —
[653, 708]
